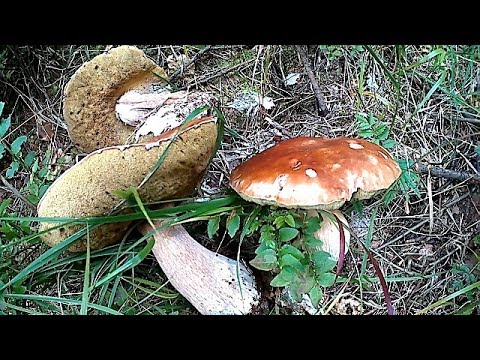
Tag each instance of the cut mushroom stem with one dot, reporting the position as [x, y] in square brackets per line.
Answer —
[206, 279]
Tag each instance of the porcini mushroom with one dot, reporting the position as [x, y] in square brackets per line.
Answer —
[115, 107]
[89, 188]
[91, 95]
[315, 173]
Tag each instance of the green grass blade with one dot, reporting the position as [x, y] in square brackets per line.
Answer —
[428, 57]
[25, 310]
[368, 242]
[430, 93]
[159, 162]
[449, 297]
[61, 301]
[383, 66]
[47, 256]
[137, 259]
[245, 229]
[86, 280]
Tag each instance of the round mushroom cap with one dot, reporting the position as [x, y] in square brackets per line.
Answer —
[89, 188]
[315, 173]
[91, 95]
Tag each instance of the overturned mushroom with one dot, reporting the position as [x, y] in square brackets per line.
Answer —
[89, 188]
[91, 95]
[117, 106]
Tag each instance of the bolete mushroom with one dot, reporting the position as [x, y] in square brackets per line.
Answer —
[316, 174]
[115, 106]
[89, 188]
[91, 95]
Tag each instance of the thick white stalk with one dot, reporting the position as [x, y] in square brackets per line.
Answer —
[206, 279]
[330, 234]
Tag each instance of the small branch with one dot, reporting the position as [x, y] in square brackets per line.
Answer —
[322, 106]
[469, 120]
[17, 193]
[222, 72]
[192, 60]
[448, 174]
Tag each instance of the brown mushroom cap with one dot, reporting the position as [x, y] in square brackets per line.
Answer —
[87, 189]
[92, 93]
[321, 173]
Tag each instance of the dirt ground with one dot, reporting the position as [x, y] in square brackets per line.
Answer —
[418, 242]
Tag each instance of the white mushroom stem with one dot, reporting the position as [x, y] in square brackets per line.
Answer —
[329, 233]
[206, 279]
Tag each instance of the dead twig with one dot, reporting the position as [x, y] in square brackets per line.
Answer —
[192, 61]
[17, 193]
[447, 174]
[469, 120]
[423, 222]
[322, 106]
[216, 75]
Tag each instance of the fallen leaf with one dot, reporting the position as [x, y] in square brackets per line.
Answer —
[44, 130]
[292, 79]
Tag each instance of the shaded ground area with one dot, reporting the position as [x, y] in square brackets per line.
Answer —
[428, 96]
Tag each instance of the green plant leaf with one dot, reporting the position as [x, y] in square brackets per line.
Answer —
[326, 279]
[287, 234]
[312, 242]
[291, 260]
[12, 170]
[316, 295]
[265, 260]
[302, 283]
[213, 226]
[17, 144]
[233, 224]
[4, 205]
[2, 150]
[290, 220]
[43, 172]
[283, 278]
[322, 261]
[389, 144]
[2, 104]
[476, 239]
[292, 250]
[264, 246]
[4, 126]
[312, 225]
[29, 159]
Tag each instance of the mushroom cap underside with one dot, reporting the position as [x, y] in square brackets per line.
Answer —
[89, 188]
[91, 95]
